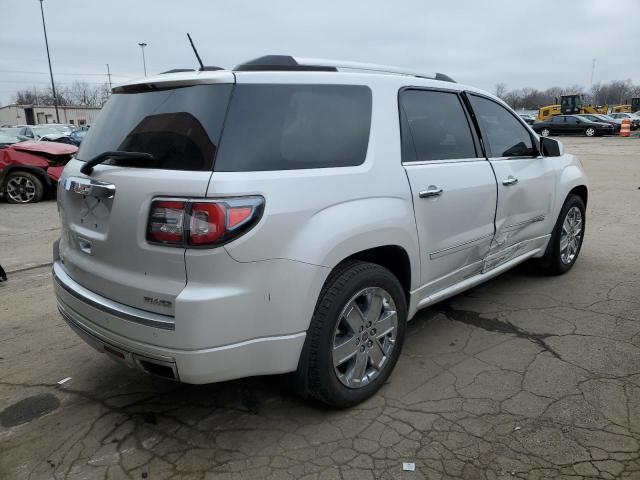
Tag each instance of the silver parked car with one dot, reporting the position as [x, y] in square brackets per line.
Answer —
[292, 215]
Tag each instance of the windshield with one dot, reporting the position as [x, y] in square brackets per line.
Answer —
[13, 131]
[180, 127]
[40, 131]
[5, 138]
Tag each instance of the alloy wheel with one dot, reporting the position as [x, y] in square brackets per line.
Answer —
[364, 337]
[571, 235]
[590, 132]
[21, 189]
[545, 132]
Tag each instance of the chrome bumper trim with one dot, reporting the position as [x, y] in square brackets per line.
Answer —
[73, 288]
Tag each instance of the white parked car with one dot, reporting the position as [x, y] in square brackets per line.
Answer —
[632, 117]
[292, 215]
[47, 132]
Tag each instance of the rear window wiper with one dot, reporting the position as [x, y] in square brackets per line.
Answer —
[87, 168]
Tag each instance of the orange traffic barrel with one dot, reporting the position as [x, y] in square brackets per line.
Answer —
[625, 128]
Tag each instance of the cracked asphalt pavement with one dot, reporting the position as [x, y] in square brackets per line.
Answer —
[526, 376]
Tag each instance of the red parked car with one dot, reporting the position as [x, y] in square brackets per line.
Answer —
[29, 170]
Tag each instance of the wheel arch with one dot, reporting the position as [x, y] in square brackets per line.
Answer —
[37, 171]
[582, 191]
[392, 257]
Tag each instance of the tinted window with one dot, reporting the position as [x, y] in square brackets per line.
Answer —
[572, 120]
[557, 119]
[506, 136]
[180, 127]
[285, 127]
[437, 124]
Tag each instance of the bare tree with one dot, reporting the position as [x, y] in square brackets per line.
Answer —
[501, 90]
[78, 93]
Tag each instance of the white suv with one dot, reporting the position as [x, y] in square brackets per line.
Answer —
[292, 215]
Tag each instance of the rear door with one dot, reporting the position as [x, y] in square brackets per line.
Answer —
[526, 181]
[104, 215]
[453, 186]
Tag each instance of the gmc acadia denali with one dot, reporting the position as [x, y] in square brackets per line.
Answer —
[291, 215]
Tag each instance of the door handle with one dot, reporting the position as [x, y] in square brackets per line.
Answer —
[507, 182]
[431, 192]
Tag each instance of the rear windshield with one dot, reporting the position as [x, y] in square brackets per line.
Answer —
[180, 127]
[284, 127]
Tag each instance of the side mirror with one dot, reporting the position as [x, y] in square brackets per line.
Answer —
[550, 147]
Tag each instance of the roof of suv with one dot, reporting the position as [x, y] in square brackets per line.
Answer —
[269, 63]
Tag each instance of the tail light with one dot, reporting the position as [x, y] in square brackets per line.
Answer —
[202, 223]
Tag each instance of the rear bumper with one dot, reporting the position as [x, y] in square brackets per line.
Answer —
[138, 344]
[261, 356]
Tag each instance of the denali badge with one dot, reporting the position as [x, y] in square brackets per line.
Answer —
[81, 188]
[157, 301]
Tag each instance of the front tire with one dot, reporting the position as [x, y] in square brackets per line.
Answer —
[567, 237]
[590, 132]
[356, 334]
[23, 187]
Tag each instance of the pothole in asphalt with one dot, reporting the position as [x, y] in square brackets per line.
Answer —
[28, 409]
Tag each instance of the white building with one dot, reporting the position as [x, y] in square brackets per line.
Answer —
[34, 114]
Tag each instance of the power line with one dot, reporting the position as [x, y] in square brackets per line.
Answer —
[59, 73]
[41, 82]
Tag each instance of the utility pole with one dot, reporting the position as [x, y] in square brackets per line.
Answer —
[109, 76]
[46, 42]
[144, 63]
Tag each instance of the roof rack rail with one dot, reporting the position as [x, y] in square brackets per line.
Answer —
[287, 62]
[373, 67]
[212, 68]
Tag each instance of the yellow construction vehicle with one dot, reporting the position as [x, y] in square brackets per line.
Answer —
[570, 105]
[632, 107]
[545, 113]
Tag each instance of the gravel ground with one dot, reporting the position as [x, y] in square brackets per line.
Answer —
[525, 377]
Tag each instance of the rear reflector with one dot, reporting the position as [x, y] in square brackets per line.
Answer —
[202, 223]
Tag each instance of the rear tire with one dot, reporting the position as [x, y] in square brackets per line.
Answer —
[564, 247]
[354, 341]
[23, 187]
[545, 132]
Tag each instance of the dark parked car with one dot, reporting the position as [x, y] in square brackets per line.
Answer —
[78, 135]
[592, 117]
[29, 170]
[571, 125]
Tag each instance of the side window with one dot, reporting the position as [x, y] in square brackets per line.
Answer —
[505, 135]
[286, 127]
[437, 123]
[572, 120]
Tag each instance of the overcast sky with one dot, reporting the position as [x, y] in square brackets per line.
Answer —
[536, 43]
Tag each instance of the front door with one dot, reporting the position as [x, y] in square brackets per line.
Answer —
[525, 182]
[453, 187]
